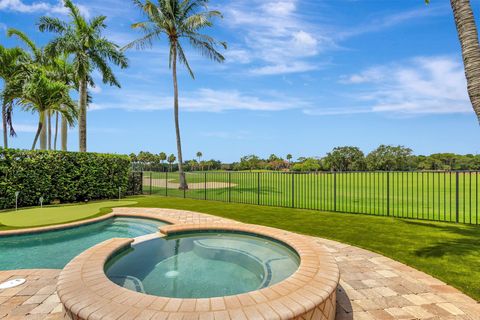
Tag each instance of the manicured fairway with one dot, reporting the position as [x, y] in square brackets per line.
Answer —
[419, 195]
[49, 215]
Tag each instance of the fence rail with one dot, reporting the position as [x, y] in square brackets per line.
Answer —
[437, 196]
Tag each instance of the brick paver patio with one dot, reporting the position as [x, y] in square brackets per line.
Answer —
[371, 286]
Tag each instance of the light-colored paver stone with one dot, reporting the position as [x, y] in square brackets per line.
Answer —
[417, 295]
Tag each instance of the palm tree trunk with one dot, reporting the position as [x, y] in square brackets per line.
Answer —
[56, 132]
[181, 174]
[82, 116]
[468, 35]
[39, 131]
[43, 133]
[49, 115]
[4, 124]
[64, 133]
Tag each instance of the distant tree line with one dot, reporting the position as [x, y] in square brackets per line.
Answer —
[145, 160]
[347, 158]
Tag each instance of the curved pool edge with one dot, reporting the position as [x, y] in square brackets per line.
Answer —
[87, 293]
[68, 225]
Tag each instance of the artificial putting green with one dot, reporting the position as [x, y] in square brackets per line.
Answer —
[50, 215]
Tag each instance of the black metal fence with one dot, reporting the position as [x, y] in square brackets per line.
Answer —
[438, 196]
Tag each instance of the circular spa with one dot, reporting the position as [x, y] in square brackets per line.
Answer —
[202, 271]
[203, 264]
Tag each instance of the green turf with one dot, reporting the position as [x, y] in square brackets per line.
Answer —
[446, 251]
[50, 215]
[420, 195]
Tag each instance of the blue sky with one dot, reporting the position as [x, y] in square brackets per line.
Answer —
[301, 77]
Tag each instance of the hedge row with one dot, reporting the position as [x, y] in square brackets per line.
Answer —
[61, 176]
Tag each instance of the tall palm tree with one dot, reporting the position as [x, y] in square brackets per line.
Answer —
[162, 156]
[91, 50]
[171, 159]
[9, 67]
[42, 95]
[178, 20]
[199, 157]
[468, 36]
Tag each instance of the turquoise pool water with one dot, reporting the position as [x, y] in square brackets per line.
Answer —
[54, 249]
[202, 265]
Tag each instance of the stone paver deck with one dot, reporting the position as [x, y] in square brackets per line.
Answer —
[371, 286]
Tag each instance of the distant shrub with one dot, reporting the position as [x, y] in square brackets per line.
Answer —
[60, 176]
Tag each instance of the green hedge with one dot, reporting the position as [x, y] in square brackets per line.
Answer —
[60, 176]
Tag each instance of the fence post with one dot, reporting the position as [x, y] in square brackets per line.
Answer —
[141, 182]
[457, 196]
[293, 190]
[205, 185]
[229, 186]
[388, 193]
[258, 188]
[334, 191]
[150, 183]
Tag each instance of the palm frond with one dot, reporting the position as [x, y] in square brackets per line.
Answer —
[207, 47]
[52, 24]
[36, 52]
[183, 59]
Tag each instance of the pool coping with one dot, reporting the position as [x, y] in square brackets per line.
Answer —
[87, 293]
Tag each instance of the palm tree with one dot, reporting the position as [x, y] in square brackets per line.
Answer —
[177, 20]
[43, 95]
[199, 156]
[83, 39]
[468, 36]
[36, 57]
[9, 67]
[162, 156]
[192, 164]
[171, 159]
[63, 71]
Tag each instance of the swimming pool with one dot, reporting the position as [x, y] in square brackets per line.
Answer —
[54, 249]
[203, 264]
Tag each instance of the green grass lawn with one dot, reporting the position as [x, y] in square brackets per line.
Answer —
[48, 215]
[447, 251]
[422, 195]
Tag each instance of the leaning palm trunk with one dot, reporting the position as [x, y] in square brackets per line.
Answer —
[468, 35]
[64, 133]
[82, 116]
[182, 180]
[4, 124]
[56, 132]
[43, 132]
[40, 129]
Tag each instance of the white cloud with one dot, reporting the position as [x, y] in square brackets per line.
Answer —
[203, 100]
[96, 89]
[42, 7]
[391, 20]
[24, 127]
[433, 85]
[275, 36]
[293, 67]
